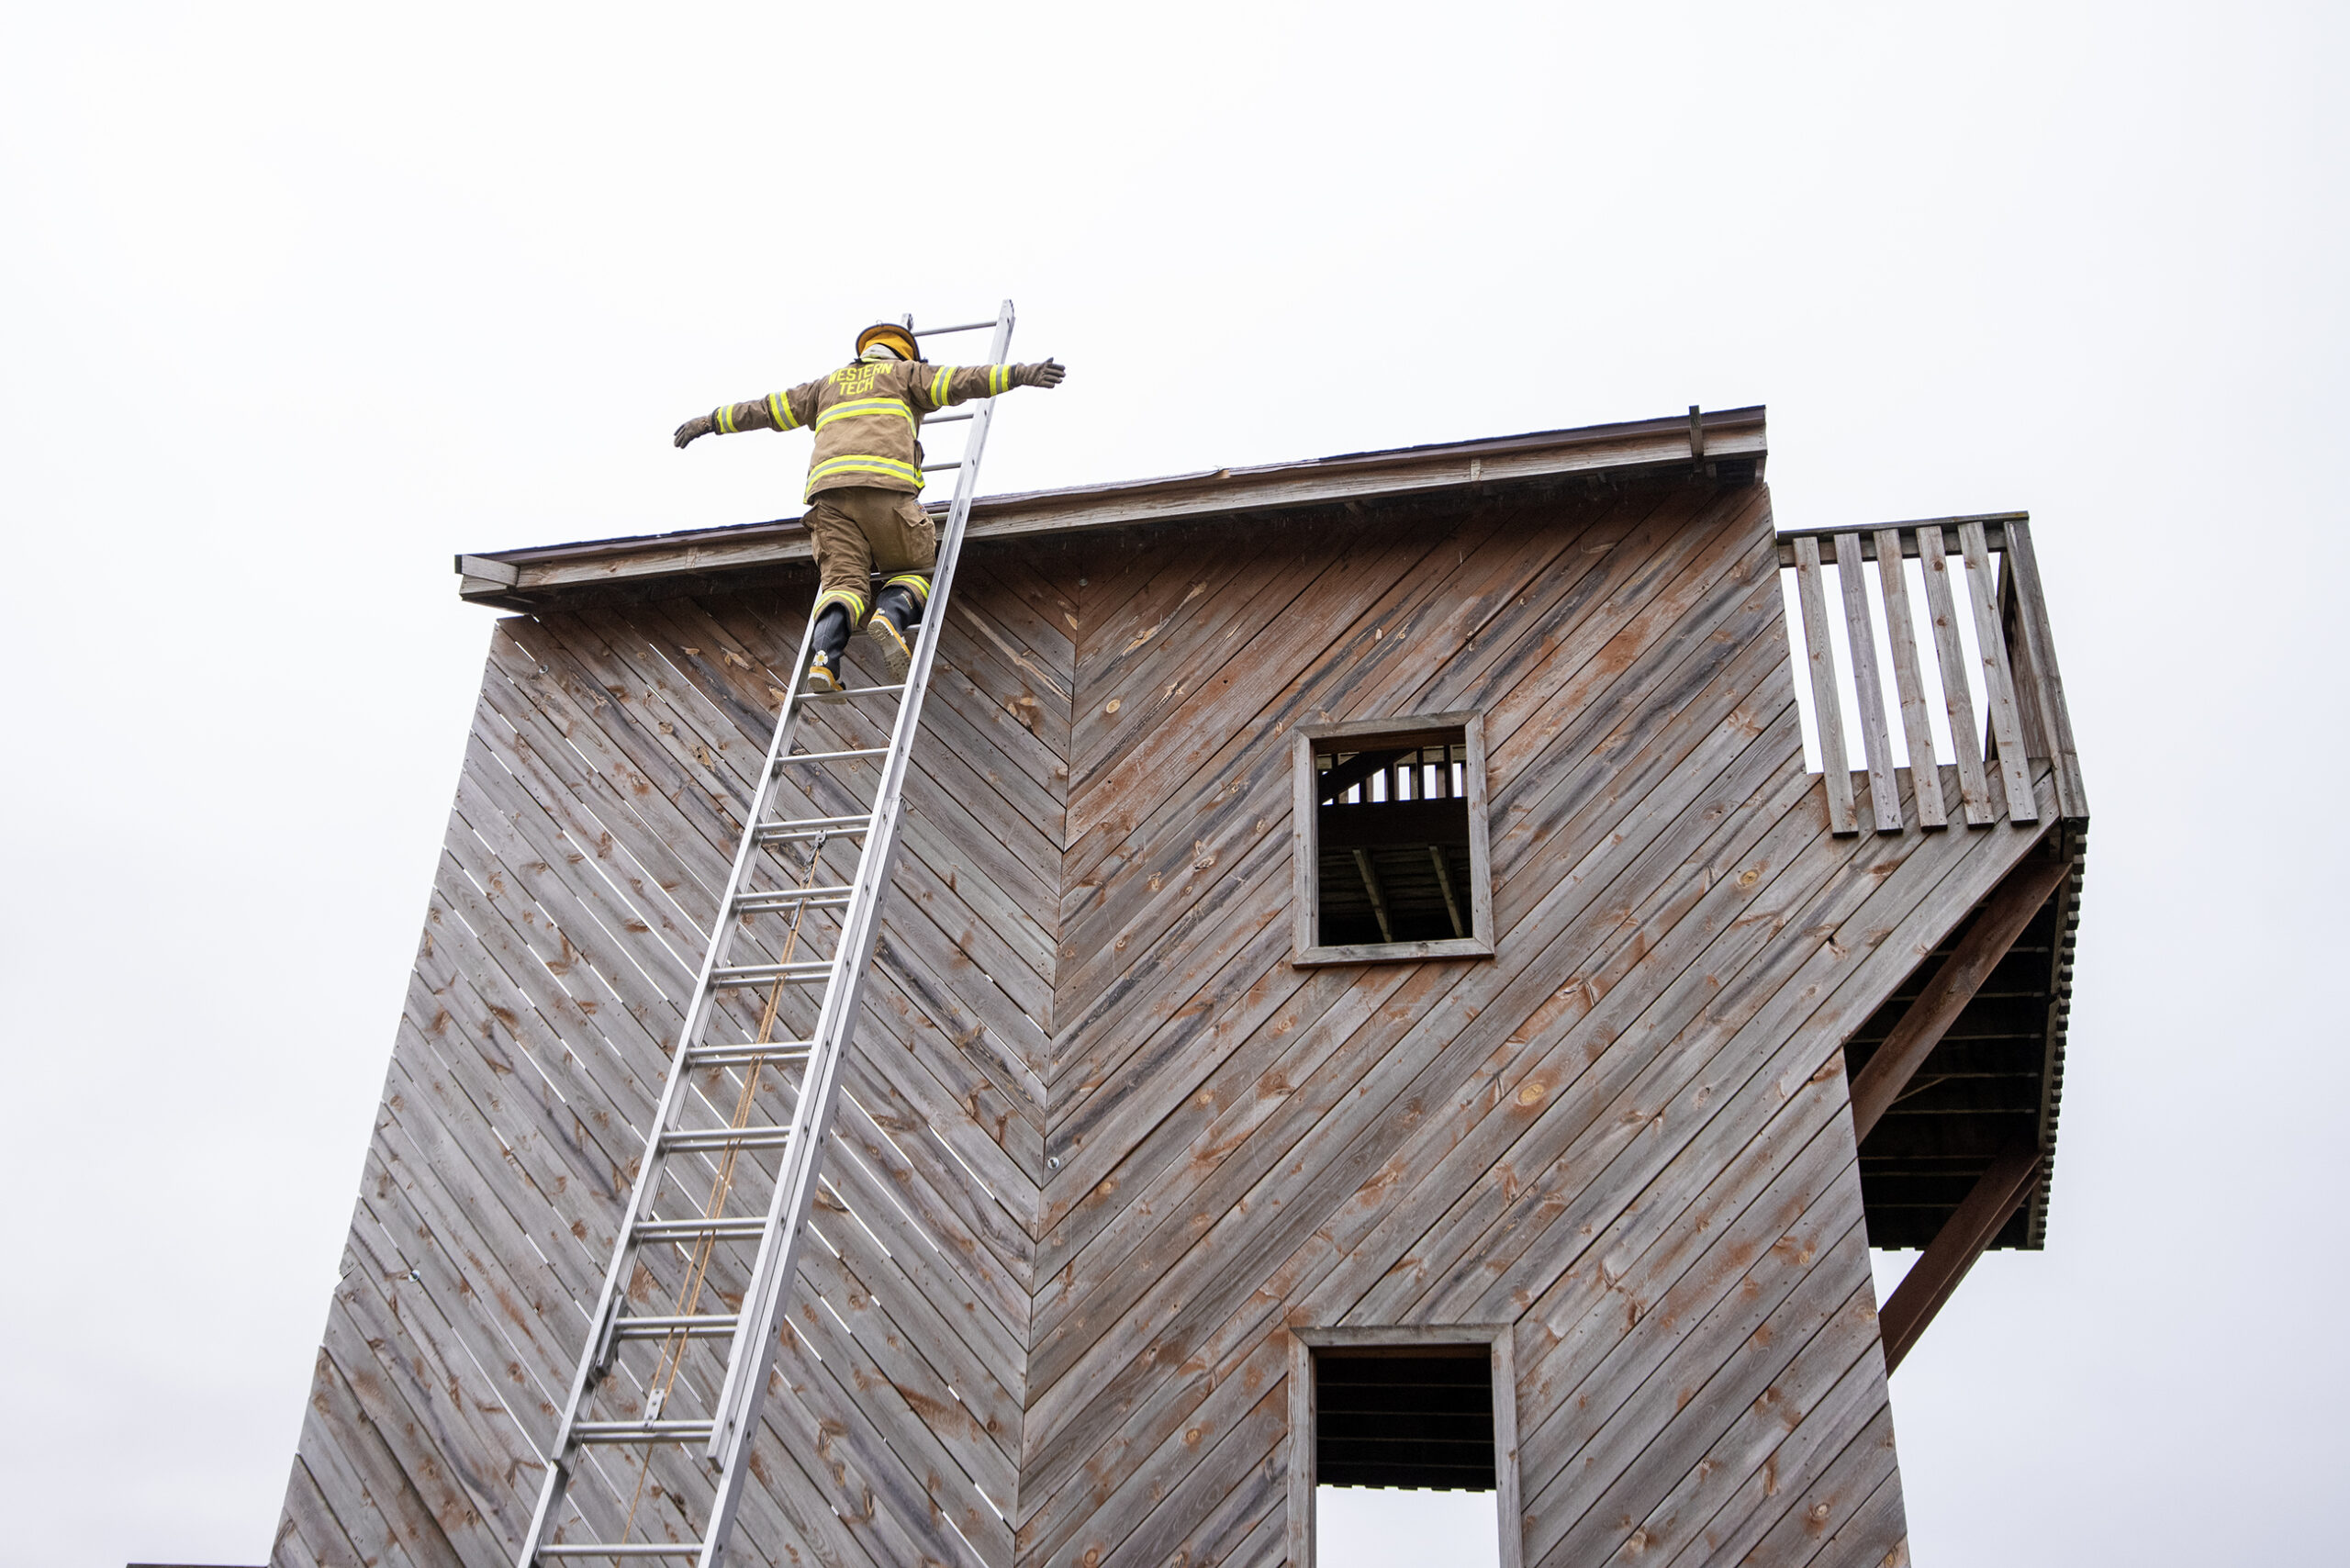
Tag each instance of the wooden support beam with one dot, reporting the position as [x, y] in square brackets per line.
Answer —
[1405, 824]
[2004, 915]
[1444, 881]
[1355, 770]
[1378, 898]
[1995, 1195]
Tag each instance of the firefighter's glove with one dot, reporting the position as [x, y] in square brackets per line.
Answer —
[1048, 373]
[699, 425]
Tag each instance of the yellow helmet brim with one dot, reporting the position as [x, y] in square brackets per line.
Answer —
[888, 332]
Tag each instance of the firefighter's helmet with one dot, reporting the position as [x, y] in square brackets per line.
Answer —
[891, 333]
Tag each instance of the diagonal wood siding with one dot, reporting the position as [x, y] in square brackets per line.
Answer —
[1102, 1146]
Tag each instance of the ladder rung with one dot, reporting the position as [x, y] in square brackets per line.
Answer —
[767, 974]
[693, 1229]
[943, 418]
[719, 1326]
[792, 829]
[935, 467]
[776, 1051]
[966, 327]
[784, 898]
[679, 1141]
[642, 1432]
[868, 690]
[832, 755]
[630, 1549]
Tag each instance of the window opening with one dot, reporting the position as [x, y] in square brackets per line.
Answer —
[1392, 858]
[1403, 1457]
[1418, 1416]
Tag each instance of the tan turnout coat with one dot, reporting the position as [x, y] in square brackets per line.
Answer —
[865, 416]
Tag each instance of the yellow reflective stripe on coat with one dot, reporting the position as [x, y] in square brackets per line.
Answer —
[860, 407]
[779, 410]
[938, 385]
[865, 463]
[998, 378]
[725, 421]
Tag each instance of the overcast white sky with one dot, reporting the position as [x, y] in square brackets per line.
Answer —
[297, 301]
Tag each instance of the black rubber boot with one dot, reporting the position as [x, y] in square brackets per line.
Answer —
[896, 616]
[826, 679]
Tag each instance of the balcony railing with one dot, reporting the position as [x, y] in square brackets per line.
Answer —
[1989, 701]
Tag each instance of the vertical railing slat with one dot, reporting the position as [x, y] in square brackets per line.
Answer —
[1966, 741]
[1999, 679]
[2048, 686]
[1876, 739]
[1835, 764]
[1901, 632]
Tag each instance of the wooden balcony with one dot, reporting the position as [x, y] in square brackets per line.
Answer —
[1990, 699]
[1935, 705]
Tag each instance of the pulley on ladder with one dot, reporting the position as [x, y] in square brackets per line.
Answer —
[739, 1171]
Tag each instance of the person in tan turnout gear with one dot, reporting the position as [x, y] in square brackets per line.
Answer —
[864, 484]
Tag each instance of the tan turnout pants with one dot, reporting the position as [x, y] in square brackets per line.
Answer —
[858, 530]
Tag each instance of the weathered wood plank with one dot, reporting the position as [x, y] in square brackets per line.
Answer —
[1828, 1389]
[1789, 1527]
[1215, 1387]
[1878, 1533]
[1876, 743]
[900, 1452]
[1827, 693]
[1999, 680]
[1958, 698]
[2047, 685]
[421, 1523]
[308, 1531]
[1664, 1428]
[1230, 1484]
[368, 1500]
[436, 1412]
[1917, 731]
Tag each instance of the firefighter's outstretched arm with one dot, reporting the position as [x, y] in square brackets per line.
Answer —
[776, 411]
[943, 386]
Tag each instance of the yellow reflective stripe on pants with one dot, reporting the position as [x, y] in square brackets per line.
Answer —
[915, 580]
[853, 603]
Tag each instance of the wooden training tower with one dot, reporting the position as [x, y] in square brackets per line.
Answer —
[1372, 990]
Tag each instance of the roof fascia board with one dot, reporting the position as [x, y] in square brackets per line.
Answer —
[1649, 445]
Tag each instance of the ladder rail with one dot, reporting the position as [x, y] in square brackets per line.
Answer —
[752, 1358]
[754, 1337]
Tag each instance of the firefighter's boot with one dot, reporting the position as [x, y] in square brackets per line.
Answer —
[826, 679]
[897, 615]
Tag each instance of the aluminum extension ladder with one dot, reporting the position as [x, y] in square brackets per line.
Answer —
[648, 1381]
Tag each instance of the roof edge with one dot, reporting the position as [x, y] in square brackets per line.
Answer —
[1689, 443]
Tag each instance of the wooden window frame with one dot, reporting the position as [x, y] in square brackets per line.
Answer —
[1496, 1337]
[1306, 904]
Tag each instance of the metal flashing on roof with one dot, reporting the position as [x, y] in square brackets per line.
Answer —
[1729, 441]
